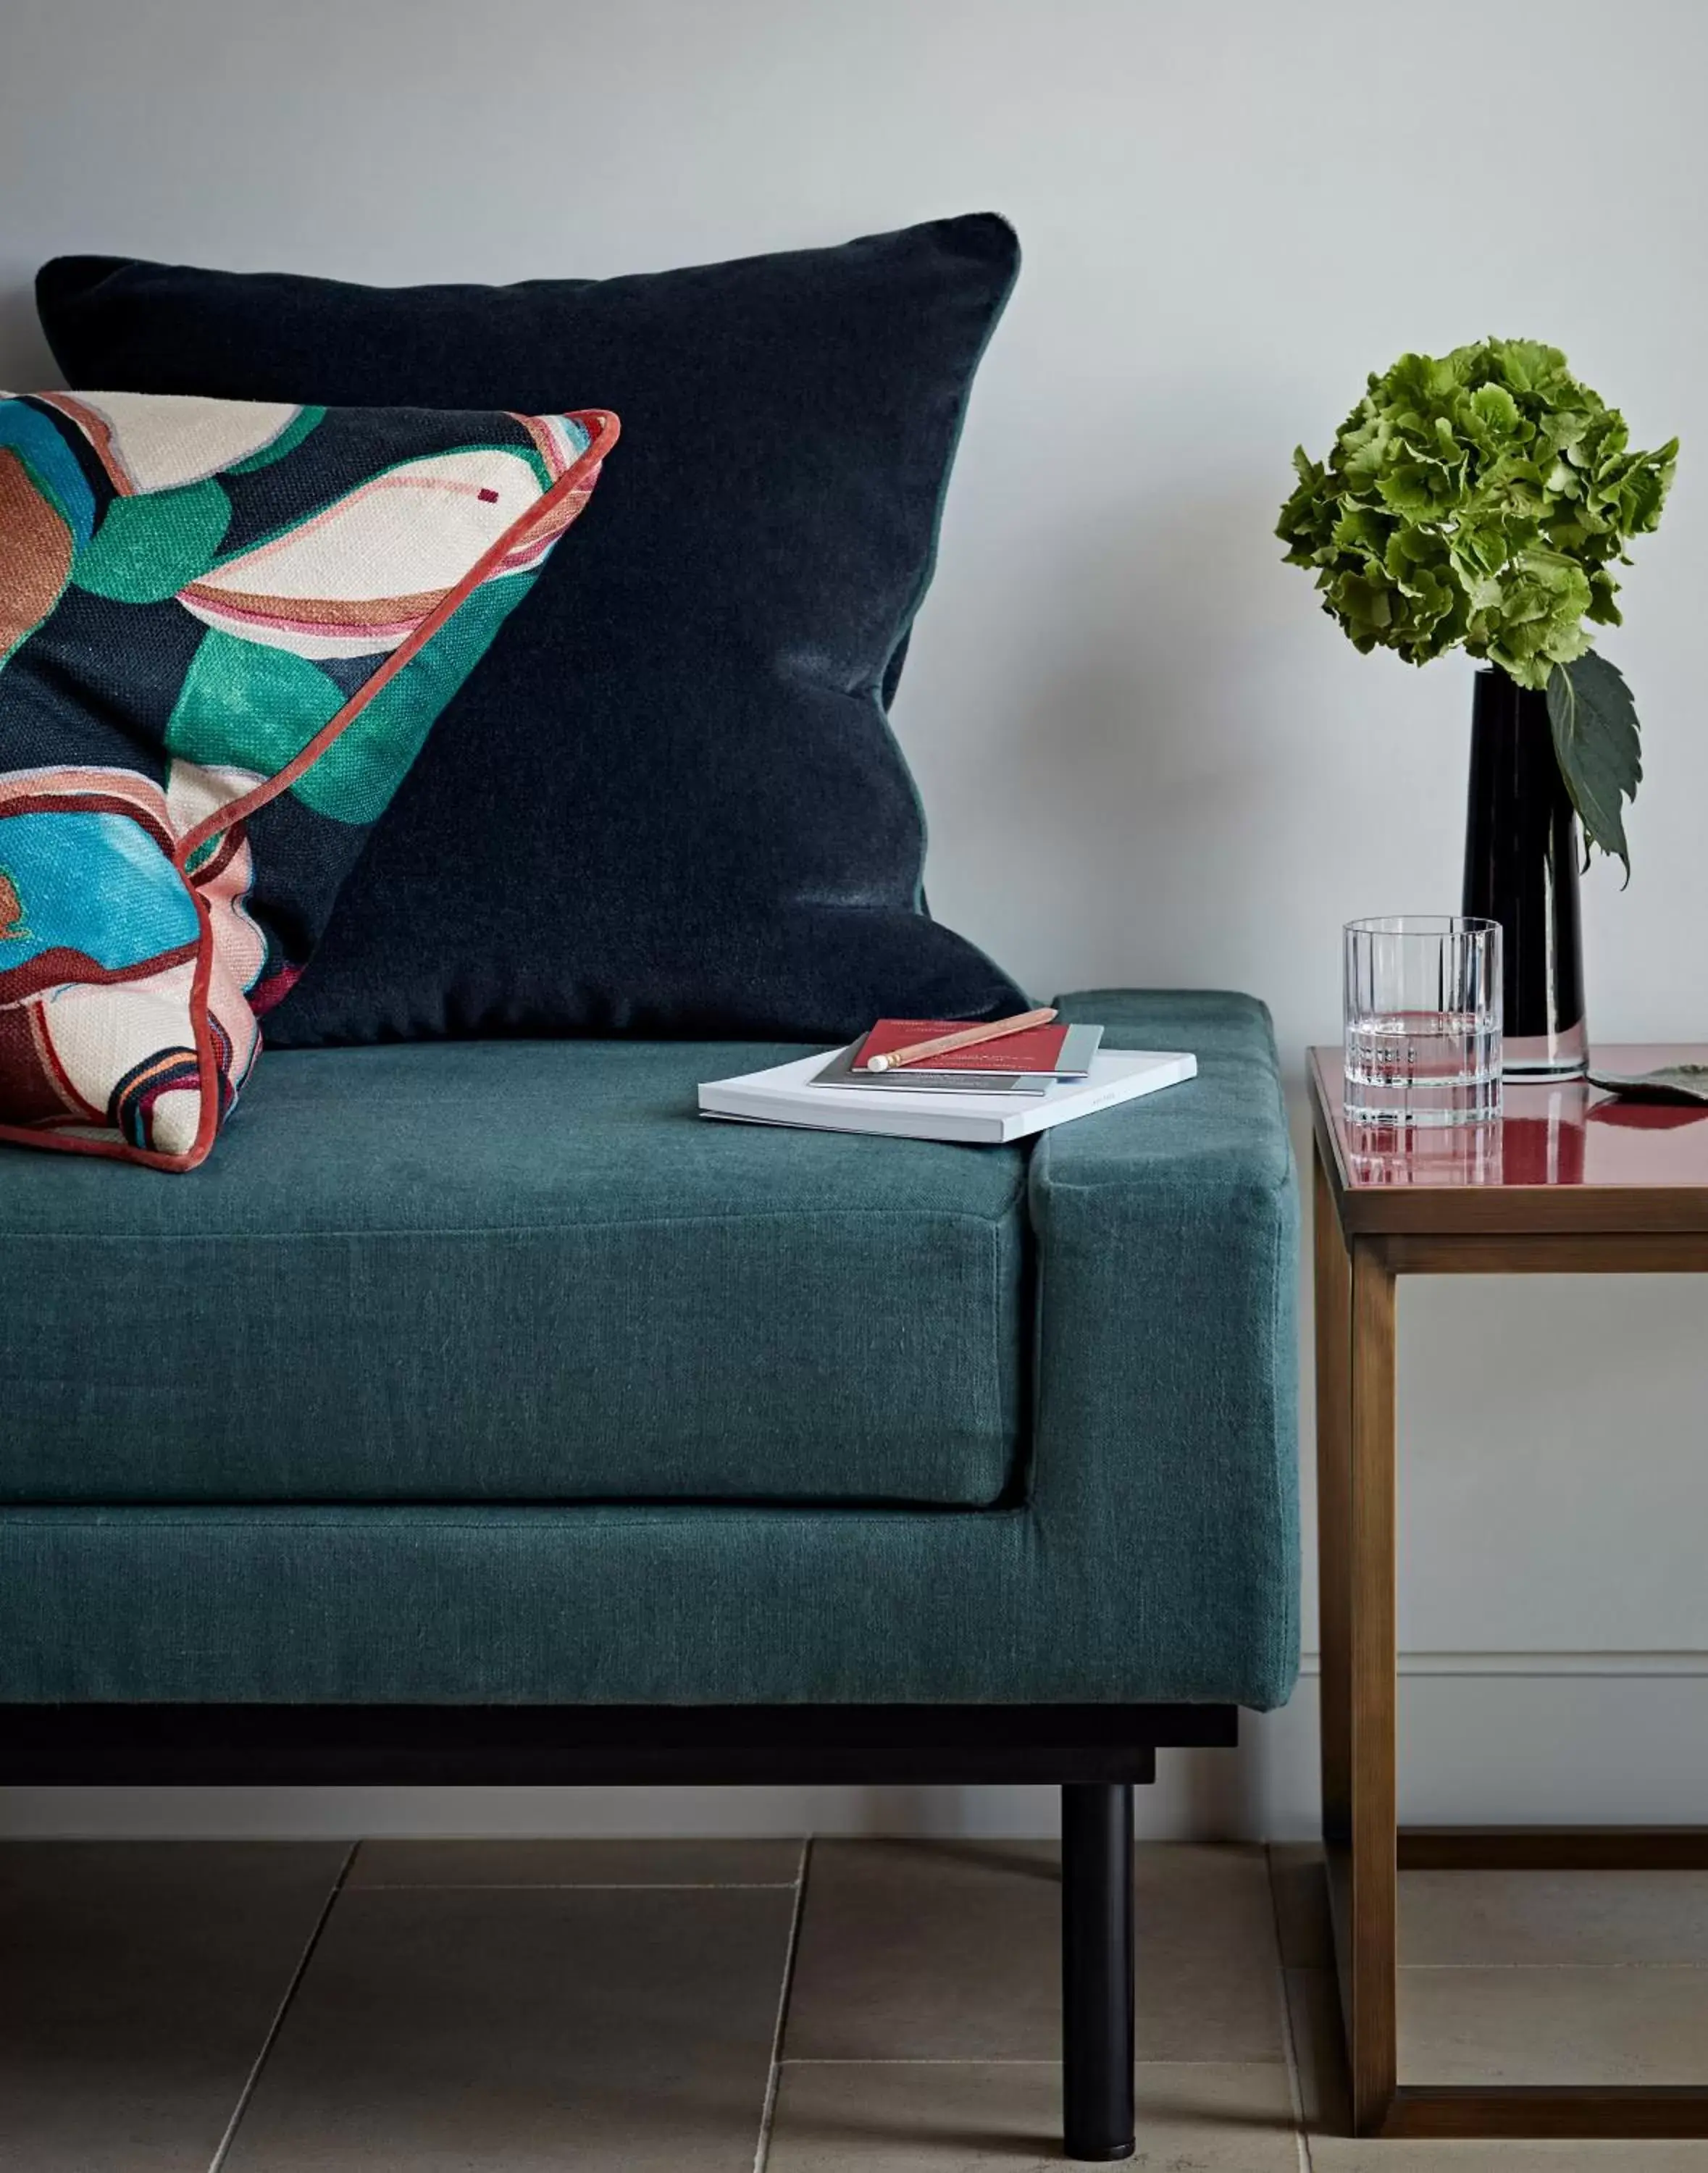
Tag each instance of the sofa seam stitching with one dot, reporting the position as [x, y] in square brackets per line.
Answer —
[433, 1229]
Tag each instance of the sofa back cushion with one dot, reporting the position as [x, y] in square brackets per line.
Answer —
[225, 628]
[673, 804]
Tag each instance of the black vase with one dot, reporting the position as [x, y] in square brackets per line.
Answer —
[1521, 869]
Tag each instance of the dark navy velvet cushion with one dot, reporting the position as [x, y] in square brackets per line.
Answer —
[669, 800]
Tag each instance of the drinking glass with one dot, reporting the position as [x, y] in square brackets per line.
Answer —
[1423, 1020]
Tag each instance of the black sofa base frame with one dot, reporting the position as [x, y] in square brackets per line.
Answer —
[1095, 1753]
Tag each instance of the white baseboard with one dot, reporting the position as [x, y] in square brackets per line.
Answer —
[1486, 1739]
[1523, 1665]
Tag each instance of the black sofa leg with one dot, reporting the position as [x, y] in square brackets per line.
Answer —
[1097, 1969]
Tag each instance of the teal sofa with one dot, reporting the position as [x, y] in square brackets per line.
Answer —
[479, 1412]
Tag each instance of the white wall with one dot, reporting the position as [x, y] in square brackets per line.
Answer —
[1117, 695]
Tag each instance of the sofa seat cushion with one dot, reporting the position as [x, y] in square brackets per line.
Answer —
[517, 1272]
[1151, 1551]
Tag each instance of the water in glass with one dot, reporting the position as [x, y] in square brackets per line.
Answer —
[1423, 1068]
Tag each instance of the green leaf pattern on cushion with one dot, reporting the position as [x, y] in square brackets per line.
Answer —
[246, 705]
[355, 779]
[243, 706]
[148, 547]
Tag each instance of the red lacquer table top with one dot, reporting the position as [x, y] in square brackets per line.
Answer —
[1560, 1156]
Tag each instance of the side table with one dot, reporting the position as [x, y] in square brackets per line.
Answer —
[1567, 1182]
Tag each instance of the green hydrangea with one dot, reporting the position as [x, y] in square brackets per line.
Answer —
[1480, 500]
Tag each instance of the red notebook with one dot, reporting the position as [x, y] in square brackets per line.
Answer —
[1037, 1048]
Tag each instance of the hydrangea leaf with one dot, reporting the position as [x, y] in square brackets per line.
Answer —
[1671, 1082]
[1493, 413]
[1596, 741]
[1602, 609]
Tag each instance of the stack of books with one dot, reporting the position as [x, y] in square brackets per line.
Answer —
[942, 1079]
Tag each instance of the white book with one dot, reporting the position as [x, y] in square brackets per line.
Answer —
[786, 1095]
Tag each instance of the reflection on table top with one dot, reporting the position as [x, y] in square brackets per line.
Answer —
[1570, 1133]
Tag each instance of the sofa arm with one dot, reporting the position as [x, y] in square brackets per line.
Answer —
[1165, 1431]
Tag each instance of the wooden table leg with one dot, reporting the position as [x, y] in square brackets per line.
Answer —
[1334, 1306]
[1373, 1930]
[1356, 1497]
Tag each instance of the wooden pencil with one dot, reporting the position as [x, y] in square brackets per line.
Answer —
[966, 1037]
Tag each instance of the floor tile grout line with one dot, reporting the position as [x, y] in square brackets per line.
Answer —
[1296, 2095]
[575, 1886]
[994, 2060]
[217, 2161]
[767, 2111]
[1415, 1968]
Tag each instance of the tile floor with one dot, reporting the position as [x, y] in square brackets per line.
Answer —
[716, 2007]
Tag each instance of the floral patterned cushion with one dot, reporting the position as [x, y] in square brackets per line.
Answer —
[226, 628]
